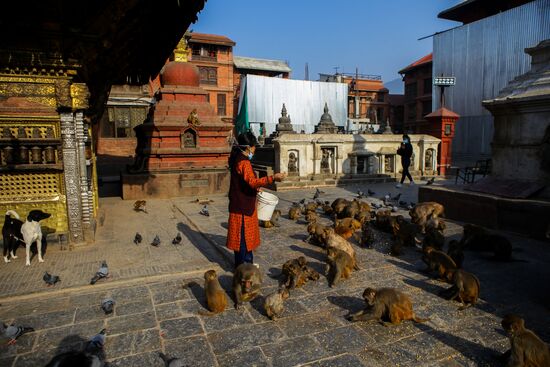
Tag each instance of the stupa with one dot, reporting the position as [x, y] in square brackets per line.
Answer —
[326, 125]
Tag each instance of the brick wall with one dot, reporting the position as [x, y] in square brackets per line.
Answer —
[119, 147]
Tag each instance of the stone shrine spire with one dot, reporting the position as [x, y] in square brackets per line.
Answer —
[326, 125]
[284, 125]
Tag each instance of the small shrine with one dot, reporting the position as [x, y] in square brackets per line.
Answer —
[183, 146]
[326, 125]
[284, 126]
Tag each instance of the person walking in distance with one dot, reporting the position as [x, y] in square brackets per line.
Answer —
[243, 233]
[405, 151]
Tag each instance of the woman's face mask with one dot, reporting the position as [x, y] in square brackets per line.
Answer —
[250, 155]
[405, 141]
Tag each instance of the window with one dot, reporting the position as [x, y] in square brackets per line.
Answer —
[204, 52]
[428, 86]
[426, 107]
[122, 120]
[208, 75]
[221, 104]
[380, 97]
[410, 91]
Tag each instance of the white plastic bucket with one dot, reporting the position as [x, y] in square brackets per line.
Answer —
[266, 205]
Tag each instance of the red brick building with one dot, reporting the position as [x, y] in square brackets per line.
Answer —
[418, 94]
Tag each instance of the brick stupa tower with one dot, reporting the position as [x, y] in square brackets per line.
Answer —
[183, 146]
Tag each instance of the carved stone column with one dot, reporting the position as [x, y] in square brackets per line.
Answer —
[81, 137]
[71, 163]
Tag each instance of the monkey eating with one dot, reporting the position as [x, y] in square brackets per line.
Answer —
[465, 289]
[247, 282]
[526, 348]
[347, 227]
[439, 262]
[294, 212]
[315, 232]
[478, 238]
[293, 276]
[434, 234]
[338, 207]
[273, 222]
[455, 252]
[331, 239]
[424, 211]
[386, 305]
[273, 304]
[405, 234]
[216, 299]
[339, 265]
[311, 216]
[367, 235]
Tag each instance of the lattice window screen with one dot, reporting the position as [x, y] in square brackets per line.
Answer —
[30, 185]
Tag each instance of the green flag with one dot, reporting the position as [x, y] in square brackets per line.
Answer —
[242, 124]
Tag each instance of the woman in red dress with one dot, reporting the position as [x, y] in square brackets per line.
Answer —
[243, 234]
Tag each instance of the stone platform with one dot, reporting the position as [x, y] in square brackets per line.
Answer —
[528, 217]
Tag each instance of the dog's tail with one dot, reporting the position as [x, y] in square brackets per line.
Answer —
[12, 212]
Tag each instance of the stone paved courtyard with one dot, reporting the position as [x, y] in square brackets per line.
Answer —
[159, 293]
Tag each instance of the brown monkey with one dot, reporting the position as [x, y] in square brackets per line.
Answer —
[383, 221]
[424, 211]
[526, 348]
[327, 209]
[434, 234]
[294, 212]
[367, 235]
[465, 289]
[351, 210]
[455, 252]
[347, 227]
[274, 221]
[247, 282]
[386, 305]
[310, 273]
[311, 216]
[216, 299]
[339, 265]
[338, 207]
[311, 206]
[273, 303]
[439, 262]
[315, 232]
[331, 239]
[364, 216]
[292, 272]
[477, 238]
[405, 234]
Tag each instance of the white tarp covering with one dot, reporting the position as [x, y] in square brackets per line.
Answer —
[304, 101]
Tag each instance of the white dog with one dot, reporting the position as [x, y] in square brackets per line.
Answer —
[32, 232]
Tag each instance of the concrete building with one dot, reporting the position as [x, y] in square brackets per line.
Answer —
[484, 54]
[417, 78]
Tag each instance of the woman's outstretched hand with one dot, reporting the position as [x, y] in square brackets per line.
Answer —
[279, 176]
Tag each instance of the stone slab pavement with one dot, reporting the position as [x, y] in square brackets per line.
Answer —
[159, 294]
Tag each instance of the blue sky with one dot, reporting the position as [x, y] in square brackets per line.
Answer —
[378, 37]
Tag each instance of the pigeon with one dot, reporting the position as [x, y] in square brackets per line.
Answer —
[107, 305]
[376, 206]
[139, 206]
[12, 332]
[96, 343]
[430, 181]
[412, 204]
[204, 211]
[156, 241]
[103, 272]
[138, 239]
[171, 362]
[394, 209]
[360, 194]
[396, 197]
[371, 193]
[303, 201]
[177, 239]
[50, 279]
[403, 203]
[75, 358]
[410, 207]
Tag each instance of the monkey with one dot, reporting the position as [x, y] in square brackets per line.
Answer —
[273, 304]
[310, 273]
[386, 305]
[338, 207]
[311, 207]
[439, 262]
[331, 239]
[315, 232]
[405, 234]
[351, 210]
[327, 209]
[424, 211]
[367, 235]
[292, 272]
[294, 212]
[216, 299]
[478, 238]
[247, 282]
[339, 265]
[383, 221]
[455, 252]
[364, 216]
[526, 348]
[434, 234]
[274, 221]
[311, 216]
[465, 289]
[347, 227]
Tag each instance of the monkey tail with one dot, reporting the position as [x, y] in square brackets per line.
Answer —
[206, 313]
[419, 320]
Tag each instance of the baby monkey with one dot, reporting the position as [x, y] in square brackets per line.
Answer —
[273, 304]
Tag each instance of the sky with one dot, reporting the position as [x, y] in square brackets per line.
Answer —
[377, 36]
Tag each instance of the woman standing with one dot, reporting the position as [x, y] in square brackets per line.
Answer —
[243, 234]
[405, 151]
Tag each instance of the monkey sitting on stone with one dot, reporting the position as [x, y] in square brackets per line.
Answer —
[383, 220]
[216, 299]
[274, 221]
[367, 235]
[439, 262]
[526, 348]
[311, 207]
[327, 209]
[339, 265]
[422, 212]
[455, 252]
[434, 234]
[478, 238]
[405, 234]
[294, 212]
[386, 305]
[273, 304]
[331, 239]
[296, 273]
[364, 216]
[465, 289]
[347, 227]
[338, 207]
[311, 216]
[315, 232]
[247, 282]
[351, 210]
